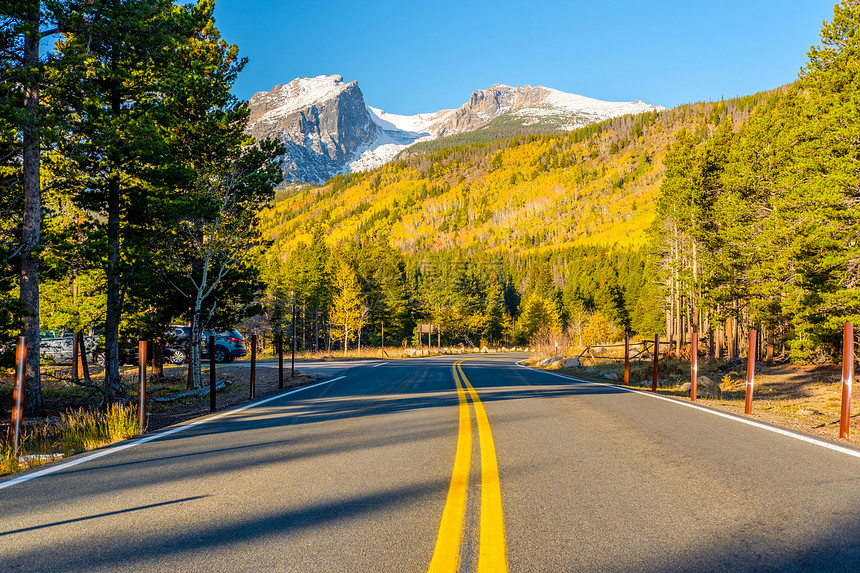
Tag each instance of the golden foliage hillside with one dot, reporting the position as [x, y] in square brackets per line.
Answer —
[595, 185]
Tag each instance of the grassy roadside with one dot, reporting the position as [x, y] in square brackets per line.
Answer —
[797, 397]
[74, 424]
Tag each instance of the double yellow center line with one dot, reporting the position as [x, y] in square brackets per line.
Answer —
[492, 557]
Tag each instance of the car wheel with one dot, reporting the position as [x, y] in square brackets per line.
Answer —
[221, 355]
[100, 359]
[178, 357]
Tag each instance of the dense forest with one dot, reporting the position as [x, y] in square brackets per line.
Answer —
[130, 189]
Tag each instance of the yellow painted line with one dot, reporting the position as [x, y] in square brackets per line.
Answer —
[493, 554]
[446, 556]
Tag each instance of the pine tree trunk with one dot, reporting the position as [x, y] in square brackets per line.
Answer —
[85, 369]
[718, 346]
[759, 345]
[676, 329]
[194, 347]
[731, 350]
[76, 348]
[114, 308]
[735, 336]
[76, 353]
[668, 325]
[769, 352]
[157, 359]
[31, 228]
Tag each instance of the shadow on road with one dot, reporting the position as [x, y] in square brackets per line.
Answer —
[99, 515]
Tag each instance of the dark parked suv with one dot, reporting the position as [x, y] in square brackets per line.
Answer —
[229, 344]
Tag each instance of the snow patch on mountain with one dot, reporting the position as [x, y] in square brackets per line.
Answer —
[420, 124]
[573, 111]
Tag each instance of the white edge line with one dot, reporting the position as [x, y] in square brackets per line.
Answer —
[801, 437]
[380, 364]
[108, 451]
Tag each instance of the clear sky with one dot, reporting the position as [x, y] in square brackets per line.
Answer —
[413, 56]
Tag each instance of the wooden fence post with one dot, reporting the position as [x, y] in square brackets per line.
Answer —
[280, 362]
[626, 357]
[656, 359]
[18, 394]
[141, 395]
[694, 365]
[212, 398]
[253, 365]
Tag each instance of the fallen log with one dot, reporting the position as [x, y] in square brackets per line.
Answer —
[220, 384]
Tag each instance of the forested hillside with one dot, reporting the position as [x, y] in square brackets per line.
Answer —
[594, 185]
[490, 240]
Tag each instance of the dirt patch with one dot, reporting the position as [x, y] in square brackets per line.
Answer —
[802, 398]
[237, 392]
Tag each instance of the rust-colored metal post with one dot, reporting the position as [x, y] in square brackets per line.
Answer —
[656, 360]
[141, 389]
[253, 365]
[280, 362]
[750, 372]
[627, 358]
[847, 379]
[293, 360]
[694, 365]
[18, 394]
[212, 398]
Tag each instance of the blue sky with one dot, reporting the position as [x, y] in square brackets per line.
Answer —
[415, 56]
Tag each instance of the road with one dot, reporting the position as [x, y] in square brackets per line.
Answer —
[418, 465]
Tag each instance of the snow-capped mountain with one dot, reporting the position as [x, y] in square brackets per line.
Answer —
[328, 129]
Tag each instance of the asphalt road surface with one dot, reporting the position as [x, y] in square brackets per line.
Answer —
[441, 464]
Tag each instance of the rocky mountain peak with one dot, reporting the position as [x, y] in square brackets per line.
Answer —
[486, 105]
[322, 121]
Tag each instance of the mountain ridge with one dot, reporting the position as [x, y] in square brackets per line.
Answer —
[328, 128]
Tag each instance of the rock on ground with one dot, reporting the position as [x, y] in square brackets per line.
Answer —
[705, 388]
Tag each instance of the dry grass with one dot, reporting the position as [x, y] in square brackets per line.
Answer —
[84, 430]
[804, 398]
[76, 431]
